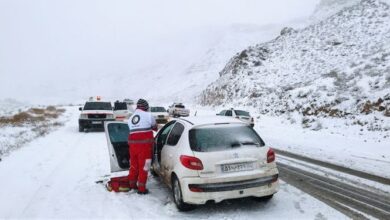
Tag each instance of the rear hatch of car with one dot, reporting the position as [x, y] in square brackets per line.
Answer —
[243, 115]
[228, 150]
[120, 110]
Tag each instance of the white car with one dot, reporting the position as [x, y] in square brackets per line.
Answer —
[178, 110]
[239, 114]
[94, 114]
[208, 159]
[160, 114]
[121, 111]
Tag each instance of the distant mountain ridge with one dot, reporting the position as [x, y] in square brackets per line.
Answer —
[337, 67]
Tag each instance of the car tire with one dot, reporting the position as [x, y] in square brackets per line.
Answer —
[263, 198]
[178, 198]
[153, 172]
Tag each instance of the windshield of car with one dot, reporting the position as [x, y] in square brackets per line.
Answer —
[157, 109]
[120, 106]
[179, 106]
[241, 113]
[223, 137]
[97, 106]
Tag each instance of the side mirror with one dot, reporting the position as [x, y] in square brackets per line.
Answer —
[217, 114]
[80, 109]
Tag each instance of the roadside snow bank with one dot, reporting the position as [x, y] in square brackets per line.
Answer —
[343, 145]
[20, 127]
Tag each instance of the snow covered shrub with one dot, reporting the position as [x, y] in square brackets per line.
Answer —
[317, 125]
[24, 126]
[287, 30]
[306, 122]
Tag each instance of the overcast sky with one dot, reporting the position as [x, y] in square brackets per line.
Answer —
[52, 40]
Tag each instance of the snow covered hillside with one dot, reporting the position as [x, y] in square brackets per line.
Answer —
[183, 79]
[328, 8]
[338, 67]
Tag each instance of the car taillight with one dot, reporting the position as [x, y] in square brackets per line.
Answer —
[270, 156]
[191, 163]
[194, 188]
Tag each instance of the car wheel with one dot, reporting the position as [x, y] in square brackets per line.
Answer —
[178, 196]
[263, 199]
[153, 172]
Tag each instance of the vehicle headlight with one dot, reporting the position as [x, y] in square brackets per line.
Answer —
[83, 116]
[110, 116]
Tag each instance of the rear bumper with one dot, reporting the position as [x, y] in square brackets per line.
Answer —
[181, 114]
[237, 185]
[258, 187]
[93, 123]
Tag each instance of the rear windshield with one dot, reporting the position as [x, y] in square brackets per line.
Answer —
[157, 109]
[120, 106]
[97, 106]
[241, 113]
[223, 137]
[179, 106]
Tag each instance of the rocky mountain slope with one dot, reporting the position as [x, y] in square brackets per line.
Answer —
[338, 67]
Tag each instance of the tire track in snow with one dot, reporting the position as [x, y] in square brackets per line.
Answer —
[336, 193]
[70, 147]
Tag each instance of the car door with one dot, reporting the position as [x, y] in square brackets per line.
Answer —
[118, 149]
[169, 153]
[159, 143]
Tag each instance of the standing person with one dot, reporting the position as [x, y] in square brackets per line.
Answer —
[141, 124]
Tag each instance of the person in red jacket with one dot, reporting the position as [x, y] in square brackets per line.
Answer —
[141, 124]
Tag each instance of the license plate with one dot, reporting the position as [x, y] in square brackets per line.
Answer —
[236, 167]
[96, 122]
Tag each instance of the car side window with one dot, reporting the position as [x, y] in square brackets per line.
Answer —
[228, 113]
[175, 134]
[161, 140]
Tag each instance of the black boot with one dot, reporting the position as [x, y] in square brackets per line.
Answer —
[143, 192]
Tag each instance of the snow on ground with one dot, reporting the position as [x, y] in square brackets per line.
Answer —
[54, 177]
[345, 145]
[341, 146]
[21, 124]
[10, 106]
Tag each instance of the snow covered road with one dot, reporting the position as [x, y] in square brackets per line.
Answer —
[55, 177]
